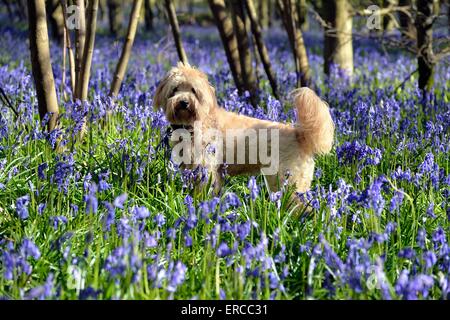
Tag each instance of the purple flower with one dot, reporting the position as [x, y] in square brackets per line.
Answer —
[41, 208]
[243, 230]
[41, 292]
[141, 213]
[41, 170]
[176, 275]
[253, 188]
[22, 206]
[430, 210]
[57, 221]
[29, 249]
[120, 200]
[430, 259]
[223, 250]
[396, 201]
[159, 219]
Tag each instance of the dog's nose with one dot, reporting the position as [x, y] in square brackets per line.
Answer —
[184, 104]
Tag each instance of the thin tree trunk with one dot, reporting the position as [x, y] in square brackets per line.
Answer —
[69, 49]
[302, 10]
[115, 16]
[172, 15]
[424, 26]
[338, 47]
[264, 55]
[225, 27]
[55, 17]
[288, 12]
[148, 15]
[89, 48]
[126, 50]
[263, 10]
[41, 62]
[245, 57]
[80, 39]
[63, 80]
[102, 8]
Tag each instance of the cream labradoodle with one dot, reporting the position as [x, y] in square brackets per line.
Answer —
[189, 102]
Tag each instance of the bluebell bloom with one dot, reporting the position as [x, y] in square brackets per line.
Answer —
[253, 188]
[22, 206]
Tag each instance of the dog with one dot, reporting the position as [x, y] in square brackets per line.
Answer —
[189, 103]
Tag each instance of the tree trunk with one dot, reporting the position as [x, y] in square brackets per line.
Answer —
[89, 48]
[115, 16]
[424, 26]
[229, 41]
[264, 55]
[80, 39]
[245, 57]
[302, 10]
[41, 63]
[126, 50]
[172, 15]
[148, 15]
[338, 47]
[69, 49]
[263, 10]
[288, 12]
[102, 8]
[55, 17]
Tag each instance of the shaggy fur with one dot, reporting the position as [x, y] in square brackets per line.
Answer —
[186, 96]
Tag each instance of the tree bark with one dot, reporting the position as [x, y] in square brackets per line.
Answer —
[89, 48]
[263, 12]
[172, 15]
[126, 50]
[424, 26]
[245, 57]
[148, 15]
[338, 46]
[80, 39]
[55, 17]
[264, 55]
[41, 63]
[69, 49]
[302, 10]
[288, 12]
[115, 16]
[229, 41]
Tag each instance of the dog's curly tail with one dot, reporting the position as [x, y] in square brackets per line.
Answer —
[316, 127]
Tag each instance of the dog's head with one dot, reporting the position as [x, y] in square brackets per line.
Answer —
[185, 95]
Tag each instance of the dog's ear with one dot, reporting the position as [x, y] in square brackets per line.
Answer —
[158, 99]
[212, 91]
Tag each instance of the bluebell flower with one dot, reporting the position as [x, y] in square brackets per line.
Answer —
[141, 213]
[159, 219]
[253, 188]
[22, 206]
[120, 200]
[176, 275]
[42, 292]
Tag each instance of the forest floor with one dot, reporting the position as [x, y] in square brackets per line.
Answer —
[112, 218]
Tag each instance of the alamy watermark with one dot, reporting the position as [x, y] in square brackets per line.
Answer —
[234, 147]
[374, 19]
[73, 17]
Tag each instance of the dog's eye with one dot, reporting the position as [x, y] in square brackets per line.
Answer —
[174, 91]
[193, 91]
